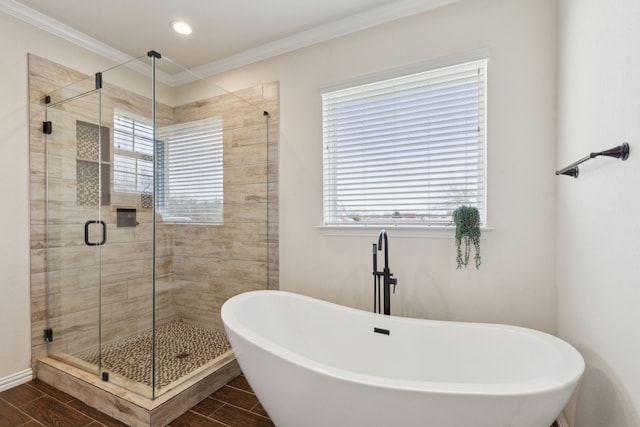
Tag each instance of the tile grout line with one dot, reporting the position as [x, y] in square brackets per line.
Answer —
[31, 419]
[238, 407]
[66, 404]
[44, 395]
[218, 421]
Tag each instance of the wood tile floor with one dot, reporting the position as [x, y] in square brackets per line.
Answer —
[38, 404]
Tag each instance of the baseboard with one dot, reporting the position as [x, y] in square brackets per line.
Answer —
[562, 421]
[16, 379]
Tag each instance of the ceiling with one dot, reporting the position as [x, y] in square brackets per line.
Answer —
[226, 33]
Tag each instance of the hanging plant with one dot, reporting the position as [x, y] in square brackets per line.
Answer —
[467, 220]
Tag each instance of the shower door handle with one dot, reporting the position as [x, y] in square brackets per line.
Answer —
[86, 233]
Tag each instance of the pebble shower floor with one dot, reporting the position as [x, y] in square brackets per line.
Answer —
[180, 349]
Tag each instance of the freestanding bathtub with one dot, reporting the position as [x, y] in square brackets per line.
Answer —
[314, 363]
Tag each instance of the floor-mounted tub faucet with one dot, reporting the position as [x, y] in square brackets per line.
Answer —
[387, 276]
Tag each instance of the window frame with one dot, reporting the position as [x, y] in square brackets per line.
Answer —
[133, 155]
[415, 228]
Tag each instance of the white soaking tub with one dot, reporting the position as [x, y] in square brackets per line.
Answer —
[314, 363]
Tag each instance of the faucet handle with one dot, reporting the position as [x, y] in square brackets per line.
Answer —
[393, 281]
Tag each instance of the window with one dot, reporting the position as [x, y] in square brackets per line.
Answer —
[132, 155]
[189, 167]
[407, 150]
[191, 172]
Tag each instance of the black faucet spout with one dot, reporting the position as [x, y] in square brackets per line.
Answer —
[383, 236]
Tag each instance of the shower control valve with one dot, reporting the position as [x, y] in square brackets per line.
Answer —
[393, 281]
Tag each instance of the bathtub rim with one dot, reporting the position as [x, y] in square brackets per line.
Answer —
[498, 389]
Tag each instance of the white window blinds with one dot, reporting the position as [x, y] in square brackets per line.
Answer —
[188, 165]
[406, 151]
[190, 171]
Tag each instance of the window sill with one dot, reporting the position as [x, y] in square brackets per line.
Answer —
[436, 232]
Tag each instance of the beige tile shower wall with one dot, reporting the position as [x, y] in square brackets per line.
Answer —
[215, 262]
[42, 80]
[70, 300]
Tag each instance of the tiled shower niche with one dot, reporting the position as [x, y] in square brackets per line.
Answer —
[93, 158]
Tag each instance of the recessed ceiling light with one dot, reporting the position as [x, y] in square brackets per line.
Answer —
[181, 27]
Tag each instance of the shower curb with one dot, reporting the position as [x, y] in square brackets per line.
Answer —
[128, 407]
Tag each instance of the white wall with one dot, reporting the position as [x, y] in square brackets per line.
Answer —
[14, 223]
[515, 284]
[598, 224]
[16, 40]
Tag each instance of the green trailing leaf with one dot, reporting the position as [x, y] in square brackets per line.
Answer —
[467, 220]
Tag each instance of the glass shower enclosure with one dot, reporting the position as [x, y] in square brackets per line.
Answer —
[157, 211]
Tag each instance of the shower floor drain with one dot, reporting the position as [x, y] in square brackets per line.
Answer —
[182, 355]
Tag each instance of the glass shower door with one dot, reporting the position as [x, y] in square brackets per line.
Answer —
[77, 167]
[100, 232]
[129, 259]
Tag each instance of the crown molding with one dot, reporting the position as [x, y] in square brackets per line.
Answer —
[57, 28]
[390, 12]
[381, 15]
